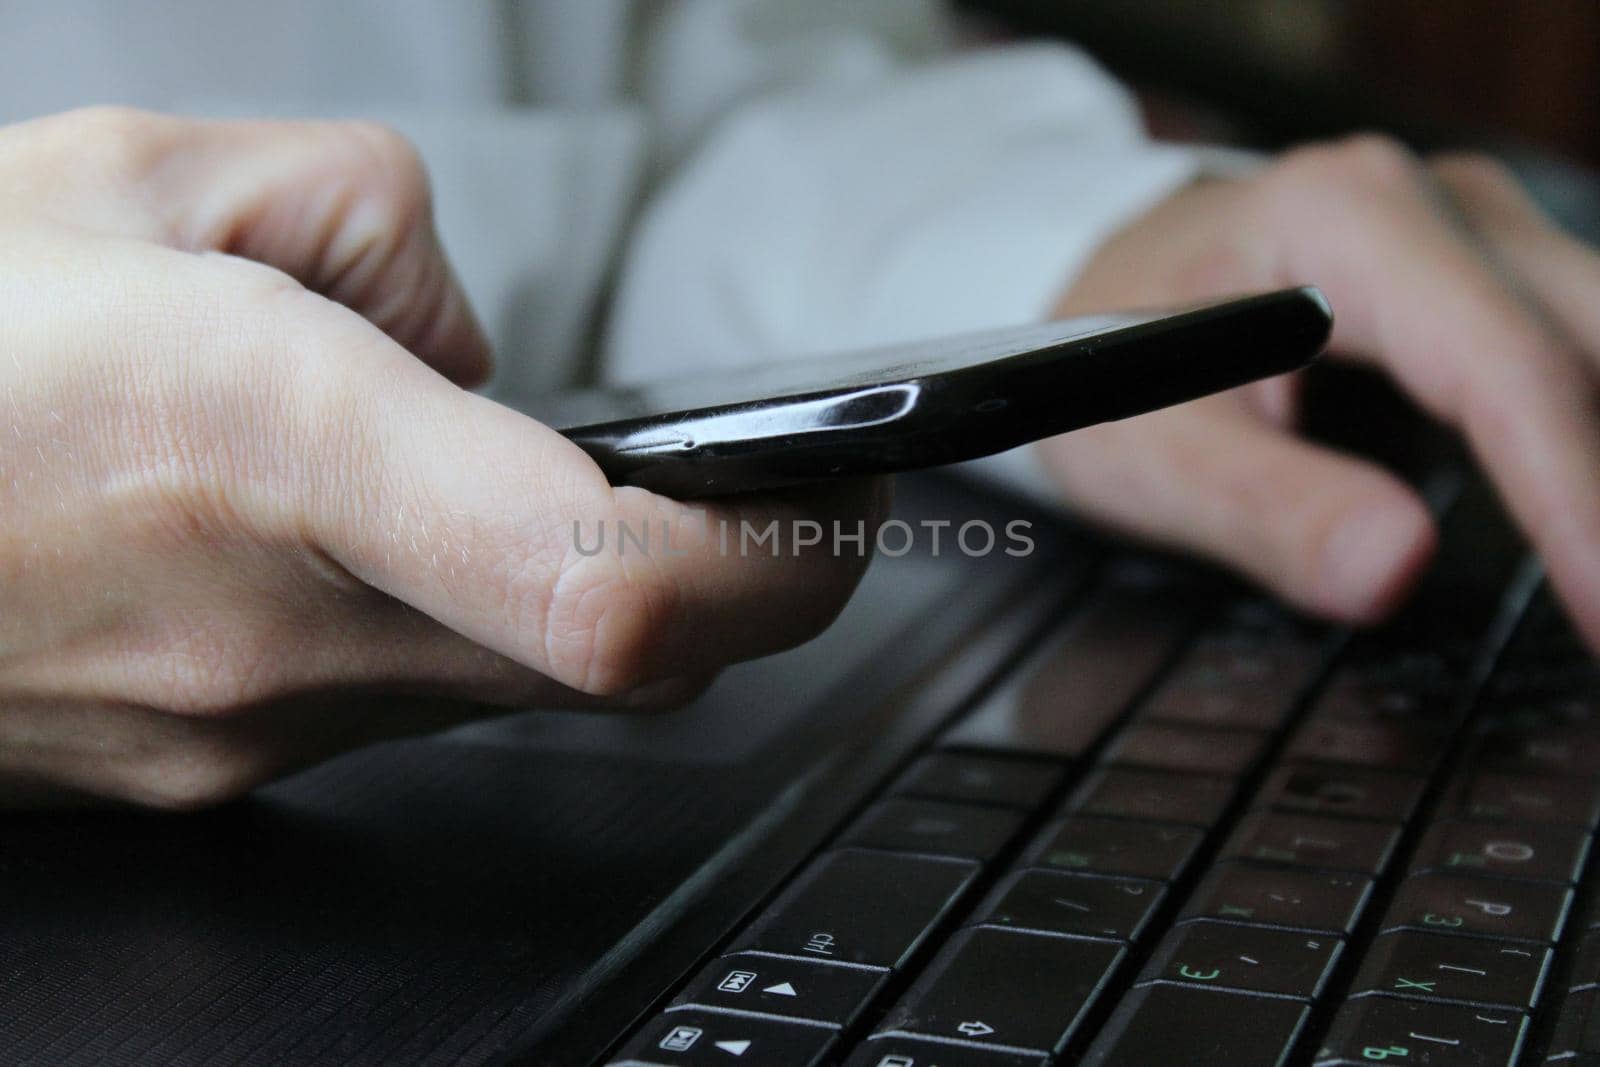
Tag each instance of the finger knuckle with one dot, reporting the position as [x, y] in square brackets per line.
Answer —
[198, 770]
[390, 168]
[126, 143]
[1362, 164]
[606, 625]
[1478, 171]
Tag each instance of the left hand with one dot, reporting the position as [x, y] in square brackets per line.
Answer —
[1440, 272]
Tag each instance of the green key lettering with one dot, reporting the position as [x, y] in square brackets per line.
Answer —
[1199, 976]
[1372, 1052]
[1280, 855]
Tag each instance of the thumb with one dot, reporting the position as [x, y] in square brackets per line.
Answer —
[1335, 535]
[502, 530]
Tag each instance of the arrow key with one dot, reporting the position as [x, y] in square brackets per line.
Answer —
[709, 1039]
[829, 993]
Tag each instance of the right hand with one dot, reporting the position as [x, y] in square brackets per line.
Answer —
[241, 516]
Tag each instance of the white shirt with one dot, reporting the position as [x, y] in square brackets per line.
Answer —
[636, 187]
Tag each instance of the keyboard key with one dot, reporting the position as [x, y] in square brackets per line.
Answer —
[1313, 842]
[1349, 792]
[1544, 853]
[1194, 749]
[1540, 752]
[1010, 783]
[1236, 707]
[1586, 969]
[1244, 679]
[1381, 745]
[1155, 795]
[1302, 900]
[796, 989]
[693, 1038]
[900, 824]
[1439, 967]
[1419, 1034]
[1003, 987]
[1577, 1032]
[1118, 846]
[1068, 694]
[860, 907]
[1170, 1024]
[1408, 687]
[1061, 903]
[1502, 797]
[910, 1052]
[1271, 661]
[1248, 959]
[1451, 904]
[1570, 713]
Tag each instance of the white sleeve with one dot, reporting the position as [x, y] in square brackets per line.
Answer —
[904, 195]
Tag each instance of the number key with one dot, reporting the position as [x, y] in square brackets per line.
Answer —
[1522, 798]
[1313, 842]
[1541, 853]
[1195, 749]
[1118, 846]
[902, 824]
[1350, 792]
[1197, 800]
[1010, 783]
[1303, 900]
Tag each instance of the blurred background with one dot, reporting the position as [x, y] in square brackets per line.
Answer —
[1518, 77]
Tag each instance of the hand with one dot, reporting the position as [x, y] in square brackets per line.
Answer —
[1443, 274]
[240, 517]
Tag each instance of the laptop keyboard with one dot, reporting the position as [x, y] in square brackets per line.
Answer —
[1190, 829]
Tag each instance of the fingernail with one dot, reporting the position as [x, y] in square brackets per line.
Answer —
[1369, 559]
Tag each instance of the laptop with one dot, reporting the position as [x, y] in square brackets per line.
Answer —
[1091, 805]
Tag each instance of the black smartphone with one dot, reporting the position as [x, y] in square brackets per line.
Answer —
[931, 403]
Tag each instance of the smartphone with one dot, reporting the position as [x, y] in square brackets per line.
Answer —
[930, 403]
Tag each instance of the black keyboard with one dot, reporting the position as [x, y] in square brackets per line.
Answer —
[1190, 829]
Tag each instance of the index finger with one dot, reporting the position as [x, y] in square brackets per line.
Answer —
[1415, 294]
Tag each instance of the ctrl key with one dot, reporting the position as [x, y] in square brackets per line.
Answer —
[1418, 1034]
[693, 1038]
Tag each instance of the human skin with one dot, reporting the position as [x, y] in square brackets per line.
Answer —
[251, 517]
[1443, 274]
